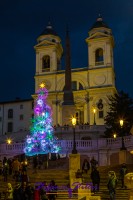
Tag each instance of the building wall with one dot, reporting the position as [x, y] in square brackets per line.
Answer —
[22, 113]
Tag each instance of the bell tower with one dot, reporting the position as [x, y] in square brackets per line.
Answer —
[48, 68]
[48, 51]
[101, 68]
[100, 45]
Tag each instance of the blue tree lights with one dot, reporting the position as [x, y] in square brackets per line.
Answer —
[41, 139]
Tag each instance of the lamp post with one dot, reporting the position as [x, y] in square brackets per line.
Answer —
[74, 151]
[122, 139]
[94, 111]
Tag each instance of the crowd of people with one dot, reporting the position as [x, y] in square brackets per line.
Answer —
[24, 190]
[13, 167]
[112, 181]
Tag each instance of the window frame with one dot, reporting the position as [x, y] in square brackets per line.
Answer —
[10, 127]
[10, 113]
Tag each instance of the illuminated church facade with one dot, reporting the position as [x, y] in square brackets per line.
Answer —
[90, 86]
[79, 92]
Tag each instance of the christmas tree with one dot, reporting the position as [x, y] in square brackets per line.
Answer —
[41, 139]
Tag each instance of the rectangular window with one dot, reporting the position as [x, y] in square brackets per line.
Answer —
[10, 127]
[0, 119]
[21, 117]
[101, 114]
[74, 85]
[10, 113]
[21, 106]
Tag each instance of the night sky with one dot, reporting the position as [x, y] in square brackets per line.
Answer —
[22, 21]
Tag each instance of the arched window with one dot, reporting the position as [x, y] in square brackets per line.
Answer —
[80, 86]
[10, 127]
[10, 113]
[46, 63]
[100, 108]
[99, 56]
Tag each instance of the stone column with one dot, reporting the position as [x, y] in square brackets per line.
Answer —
[54, 61]
[122, 156]
[74, 165]
[86, 116]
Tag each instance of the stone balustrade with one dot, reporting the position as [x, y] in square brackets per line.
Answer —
[85, 145]
[101, 148]
[79, 128]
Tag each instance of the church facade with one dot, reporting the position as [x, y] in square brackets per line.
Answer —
[91, 86]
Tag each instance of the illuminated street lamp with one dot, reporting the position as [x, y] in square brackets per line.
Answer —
[94, 111]
[74, 151]
[122, 139]
[9, 141]
[121, 122]
[114, 135]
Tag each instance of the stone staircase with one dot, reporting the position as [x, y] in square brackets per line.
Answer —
[61, 178]
[121, 194]
[58, 171]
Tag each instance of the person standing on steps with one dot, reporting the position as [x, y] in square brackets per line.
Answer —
[5, 171]
[123, 172]
[36, 193]
[95, 177]
[17, 192]
[112, 184]
[94, 163]
[9, 192]
[85, 166]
